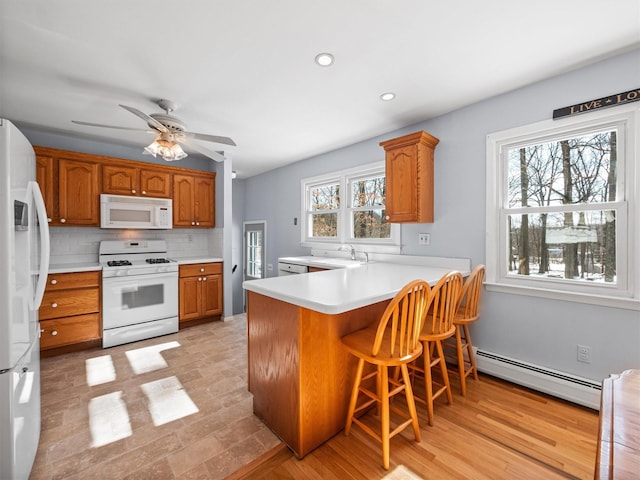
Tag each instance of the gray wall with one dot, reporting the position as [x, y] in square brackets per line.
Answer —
[543, 332]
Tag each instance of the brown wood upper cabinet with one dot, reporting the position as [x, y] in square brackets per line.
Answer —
[70, 187]
[132, 180]
[193, 201]
[409, 178]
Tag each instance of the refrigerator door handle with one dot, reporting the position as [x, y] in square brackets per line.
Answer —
[45, 243]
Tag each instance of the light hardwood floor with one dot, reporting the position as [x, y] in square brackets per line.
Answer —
[499, 431]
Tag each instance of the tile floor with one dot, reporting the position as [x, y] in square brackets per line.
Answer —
[173, 407]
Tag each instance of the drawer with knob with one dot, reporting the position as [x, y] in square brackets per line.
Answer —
[69, 330]
[64, 281]
[200, 269]
[64, 303]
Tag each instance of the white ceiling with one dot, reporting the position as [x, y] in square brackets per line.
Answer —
[245, 68]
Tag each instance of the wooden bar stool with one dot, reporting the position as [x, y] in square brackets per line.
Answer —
[466, 314]
[437, 328]
[393, 342]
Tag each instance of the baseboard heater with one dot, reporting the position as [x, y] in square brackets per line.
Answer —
[558, 384]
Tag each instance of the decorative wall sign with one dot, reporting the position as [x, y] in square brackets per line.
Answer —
[604, 102]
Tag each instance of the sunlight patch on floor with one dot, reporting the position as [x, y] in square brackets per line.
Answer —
[168, 400]
[100, 370]
[148, 359]
[401, 473]
[108, 419]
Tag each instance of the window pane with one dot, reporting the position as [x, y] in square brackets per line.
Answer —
[368, 192]
[371, 224]
[324, 224]
[325, 197]
[573, 245]
[579, 169]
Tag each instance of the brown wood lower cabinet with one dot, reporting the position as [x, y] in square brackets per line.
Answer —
[70, 310]
[200, 291]
[300, 375]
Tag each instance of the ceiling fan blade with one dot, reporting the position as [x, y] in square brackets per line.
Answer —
[206, 151]
[150, 120]
[210, 138]
[113, 126]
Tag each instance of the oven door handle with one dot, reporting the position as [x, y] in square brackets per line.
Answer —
[129, 288]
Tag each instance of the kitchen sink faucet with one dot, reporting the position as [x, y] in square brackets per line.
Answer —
[348, 248]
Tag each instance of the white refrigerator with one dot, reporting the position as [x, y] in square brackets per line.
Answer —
[24, 264]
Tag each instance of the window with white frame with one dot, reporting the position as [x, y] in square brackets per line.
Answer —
[562, 217]
[347, 207]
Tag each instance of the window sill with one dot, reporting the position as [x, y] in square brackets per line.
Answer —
[605, 301]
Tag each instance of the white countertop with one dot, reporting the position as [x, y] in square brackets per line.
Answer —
[190, 260]
[340, 290]
[74, 267]
[92, 266]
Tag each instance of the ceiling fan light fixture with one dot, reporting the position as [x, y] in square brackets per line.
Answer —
[167, 149]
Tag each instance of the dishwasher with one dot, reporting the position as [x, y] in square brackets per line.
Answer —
[285, 268]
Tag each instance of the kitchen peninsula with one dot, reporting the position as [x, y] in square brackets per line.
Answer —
[299, 373]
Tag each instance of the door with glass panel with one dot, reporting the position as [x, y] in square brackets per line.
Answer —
[254, 250]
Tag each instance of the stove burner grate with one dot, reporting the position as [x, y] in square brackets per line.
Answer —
[158, 260]
[118, 263]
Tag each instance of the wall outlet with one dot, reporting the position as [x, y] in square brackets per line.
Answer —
[424, 239]
[584, 353]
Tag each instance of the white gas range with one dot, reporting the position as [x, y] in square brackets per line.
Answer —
[139, 291]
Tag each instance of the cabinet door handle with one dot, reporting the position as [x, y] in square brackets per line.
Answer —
[387, 217]
[199, 279]
[144, 192]
[54, 281]
[54, 305]
[197, 223]
[204, 279]
[63, 220]
[193, 223]
[54, 332]
[133, 191]
[202, 269]
[49, 220]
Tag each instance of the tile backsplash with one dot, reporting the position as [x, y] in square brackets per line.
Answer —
[80, 244]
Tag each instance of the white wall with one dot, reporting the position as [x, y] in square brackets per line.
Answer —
[543, 332]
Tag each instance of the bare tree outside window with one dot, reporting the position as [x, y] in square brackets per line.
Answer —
[368, 208]
[561, 182]
[325, 203]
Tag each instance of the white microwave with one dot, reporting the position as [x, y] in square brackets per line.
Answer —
[121, 211]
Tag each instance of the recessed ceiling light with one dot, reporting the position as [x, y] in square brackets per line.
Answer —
[387, 96]
[324, 59]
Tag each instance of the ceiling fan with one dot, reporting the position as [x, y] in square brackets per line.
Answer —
[170, 133]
